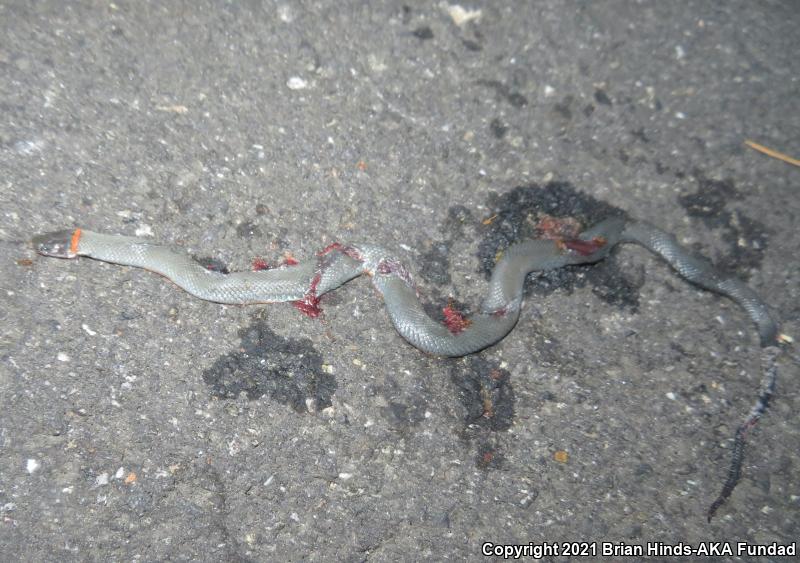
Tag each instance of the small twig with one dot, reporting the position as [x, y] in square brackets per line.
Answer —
[773, 153]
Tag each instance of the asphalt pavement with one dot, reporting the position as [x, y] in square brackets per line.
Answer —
[138, 423]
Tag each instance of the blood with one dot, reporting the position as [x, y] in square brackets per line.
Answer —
[386, 267]
[330, 248]
[259, 264]
[346, 250]
[454, 320]
[585, 247]
[550, 227]
[309, 304]
[565, 230]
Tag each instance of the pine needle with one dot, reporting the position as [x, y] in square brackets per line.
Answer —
[773, 153]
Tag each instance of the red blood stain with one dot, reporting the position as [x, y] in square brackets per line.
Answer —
[558, 227]
[585, 247]
[330, 248]
[352, 253]
[309, 304]
[396, 268]
[259, 264]
[346, 250]
[454, 320]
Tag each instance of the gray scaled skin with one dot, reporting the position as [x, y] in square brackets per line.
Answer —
[341, 263]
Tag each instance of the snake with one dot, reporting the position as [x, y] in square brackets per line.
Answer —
[304, 283]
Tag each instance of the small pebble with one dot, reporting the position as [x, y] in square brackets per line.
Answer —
[296, 83]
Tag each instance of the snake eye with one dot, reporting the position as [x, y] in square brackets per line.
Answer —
[57, 244]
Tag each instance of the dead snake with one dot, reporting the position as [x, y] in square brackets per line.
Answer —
[304, 283]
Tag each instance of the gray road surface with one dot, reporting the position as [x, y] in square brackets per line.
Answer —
[138, 423]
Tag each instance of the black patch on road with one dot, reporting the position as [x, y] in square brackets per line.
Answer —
[423, 33]
[403, 416]
[471, 45]
[746, 239]
[435, 259]
[489, 456]
[248, 230]
[514, 98]
[710, 199]
[601, 97]
[486, 393]
[487, 397]
[498, 128]
[564, 107]
[435, 262]
[640, 135]
[288, 370]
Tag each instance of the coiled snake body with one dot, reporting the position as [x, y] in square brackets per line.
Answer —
[304, 283]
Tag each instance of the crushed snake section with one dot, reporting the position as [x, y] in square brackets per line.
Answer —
[304, 283]
[556, 210]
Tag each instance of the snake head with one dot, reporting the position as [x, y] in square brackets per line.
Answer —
[60, 244]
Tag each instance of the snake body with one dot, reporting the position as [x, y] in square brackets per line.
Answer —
[304, 283]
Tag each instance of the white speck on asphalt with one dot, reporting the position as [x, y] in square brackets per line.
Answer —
[296, 83]
[285, 14]
[461, 15]
[144, 230]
